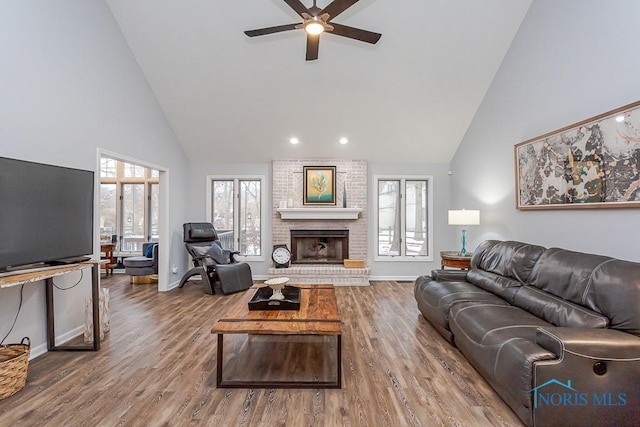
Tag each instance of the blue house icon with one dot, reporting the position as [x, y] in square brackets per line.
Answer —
[550, 382]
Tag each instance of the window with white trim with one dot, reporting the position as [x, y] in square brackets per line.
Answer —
[235, 209]
[128, 204]
[404, 218]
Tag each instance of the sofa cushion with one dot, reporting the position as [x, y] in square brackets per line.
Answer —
[602, 284]
[138, 261]
[510, 259]
[502, 267]
[489, 325]
[505, 287]
[435, 299]
[615, 287]
[500, 342]
[566, 274]
[557, 311]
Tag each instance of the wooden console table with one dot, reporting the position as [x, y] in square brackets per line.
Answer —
[48, 275]
[455, 260]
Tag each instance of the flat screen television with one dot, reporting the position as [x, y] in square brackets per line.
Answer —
[46, 213]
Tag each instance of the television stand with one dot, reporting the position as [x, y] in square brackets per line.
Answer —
[31, 276]
[26, 269]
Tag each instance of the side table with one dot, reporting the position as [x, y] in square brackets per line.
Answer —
[455, 259]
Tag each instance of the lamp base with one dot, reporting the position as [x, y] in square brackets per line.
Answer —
[463, 251]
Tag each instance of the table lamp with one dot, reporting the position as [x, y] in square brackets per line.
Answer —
[464, 217]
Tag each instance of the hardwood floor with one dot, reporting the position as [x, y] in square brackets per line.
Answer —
[157, 367]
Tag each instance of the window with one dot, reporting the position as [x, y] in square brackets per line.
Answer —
[235, 209]
[108, 212]
[108, 167]
[133, 218]
[129, 204]
[404, 226]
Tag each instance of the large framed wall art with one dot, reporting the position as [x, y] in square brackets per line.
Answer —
[319, 185]
[591, 164]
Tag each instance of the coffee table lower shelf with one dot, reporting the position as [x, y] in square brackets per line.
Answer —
[221, 383]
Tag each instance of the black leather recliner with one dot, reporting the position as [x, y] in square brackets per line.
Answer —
[217, 267]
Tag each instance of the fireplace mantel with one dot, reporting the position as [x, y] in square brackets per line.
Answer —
[323, 213]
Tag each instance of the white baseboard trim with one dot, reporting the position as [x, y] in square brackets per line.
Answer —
[371, 278]
[396, 278]
[174, 285]
[41, 349]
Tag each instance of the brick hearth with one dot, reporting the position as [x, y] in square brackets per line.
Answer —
[336, 275]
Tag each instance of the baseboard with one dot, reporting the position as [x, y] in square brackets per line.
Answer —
[41, 349]
[395, 278]
[173, 285]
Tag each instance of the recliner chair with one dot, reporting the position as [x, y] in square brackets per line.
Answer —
[217, 267]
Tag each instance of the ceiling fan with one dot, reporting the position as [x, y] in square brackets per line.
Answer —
[317, 21]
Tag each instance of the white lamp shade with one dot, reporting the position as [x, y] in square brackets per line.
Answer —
[464, 217]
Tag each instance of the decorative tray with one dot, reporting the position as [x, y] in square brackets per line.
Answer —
[261, 299]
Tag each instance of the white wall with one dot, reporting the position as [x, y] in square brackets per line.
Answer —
[70, 86]
[570, 61]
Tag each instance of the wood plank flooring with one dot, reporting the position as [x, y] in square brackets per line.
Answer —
[156, 367]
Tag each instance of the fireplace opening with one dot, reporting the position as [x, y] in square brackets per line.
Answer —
[319, 246]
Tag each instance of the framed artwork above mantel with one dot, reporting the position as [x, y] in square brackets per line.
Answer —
[591, 164]
[319, 185]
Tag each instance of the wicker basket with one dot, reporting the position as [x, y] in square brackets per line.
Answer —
[14, 361]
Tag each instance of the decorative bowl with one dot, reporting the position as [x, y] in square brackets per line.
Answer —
[276, 285]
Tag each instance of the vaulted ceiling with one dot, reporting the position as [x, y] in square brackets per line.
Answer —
[231, 98]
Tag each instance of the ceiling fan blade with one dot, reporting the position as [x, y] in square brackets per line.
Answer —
[313, 43]
[337, 7]
[297, 6]
[355, 33]
[270, 30]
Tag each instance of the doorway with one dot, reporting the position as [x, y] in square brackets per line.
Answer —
[132, 209]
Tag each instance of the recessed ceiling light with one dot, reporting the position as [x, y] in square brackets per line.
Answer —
[620, 118]
[343, 140]
[294, 140]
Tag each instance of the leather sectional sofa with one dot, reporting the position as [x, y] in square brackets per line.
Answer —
[555, 332]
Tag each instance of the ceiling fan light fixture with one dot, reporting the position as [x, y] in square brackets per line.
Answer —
[314, 28]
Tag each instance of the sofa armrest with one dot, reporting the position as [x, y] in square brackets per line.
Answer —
[600, 367]
[449, 275]
[601, 344]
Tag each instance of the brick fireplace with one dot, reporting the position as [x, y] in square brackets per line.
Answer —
[318, 259]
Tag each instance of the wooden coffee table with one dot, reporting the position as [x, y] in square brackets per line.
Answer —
[318, 315]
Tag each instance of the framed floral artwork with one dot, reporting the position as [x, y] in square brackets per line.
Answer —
[319, 185]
